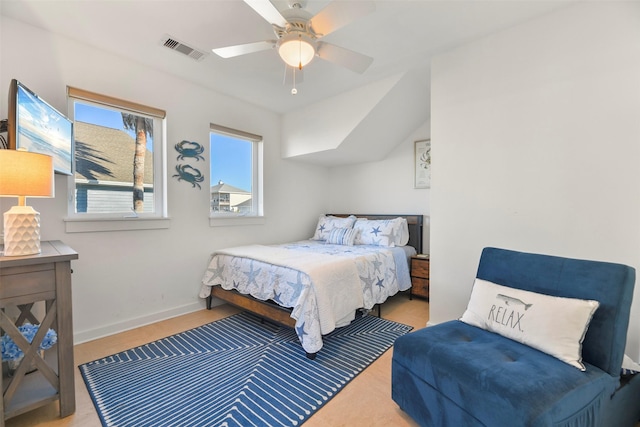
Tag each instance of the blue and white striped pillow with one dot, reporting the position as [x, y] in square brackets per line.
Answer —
[328, 223]
[342, 236]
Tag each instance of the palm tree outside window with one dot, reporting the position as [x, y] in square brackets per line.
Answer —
[120, 169]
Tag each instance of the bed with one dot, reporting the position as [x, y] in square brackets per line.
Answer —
[350, 265]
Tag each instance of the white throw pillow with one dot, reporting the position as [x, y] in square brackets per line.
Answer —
[404, 236]
[554, 325]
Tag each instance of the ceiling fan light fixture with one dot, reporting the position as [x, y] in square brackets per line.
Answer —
[296, 49]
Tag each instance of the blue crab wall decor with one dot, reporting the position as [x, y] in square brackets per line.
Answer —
[189, 174]
[189, 149]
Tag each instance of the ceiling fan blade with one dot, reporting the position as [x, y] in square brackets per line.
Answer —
[338, 14]
[243, 49]
[347, 58]
[268, 11]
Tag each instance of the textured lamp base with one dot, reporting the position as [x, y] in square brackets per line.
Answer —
[21, 231]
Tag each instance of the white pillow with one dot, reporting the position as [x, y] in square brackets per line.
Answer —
[404, 232]
[554, 325]
[328, 223]
[382, 232]
[342, 236]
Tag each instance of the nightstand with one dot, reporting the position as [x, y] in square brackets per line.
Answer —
[419, 276]
[24, 281]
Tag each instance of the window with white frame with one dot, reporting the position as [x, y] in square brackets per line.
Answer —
[120, 168]
[235, 173]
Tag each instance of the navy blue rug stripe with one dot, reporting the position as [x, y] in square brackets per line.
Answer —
[237, 371]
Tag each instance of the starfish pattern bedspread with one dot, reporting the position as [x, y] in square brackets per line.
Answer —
[383, 271]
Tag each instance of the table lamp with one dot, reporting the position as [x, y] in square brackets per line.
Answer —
[24, 174]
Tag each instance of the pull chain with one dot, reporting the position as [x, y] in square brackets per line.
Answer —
[294, 90]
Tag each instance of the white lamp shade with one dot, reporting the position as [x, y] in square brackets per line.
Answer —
[25, 174]
[296, 50]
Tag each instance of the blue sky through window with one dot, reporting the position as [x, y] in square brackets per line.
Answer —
[230, 161]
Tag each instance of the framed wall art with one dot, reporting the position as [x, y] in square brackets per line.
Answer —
[422, 163]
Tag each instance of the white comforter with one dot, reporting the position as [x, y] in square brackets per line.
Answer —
[334, 278]
[323, 284]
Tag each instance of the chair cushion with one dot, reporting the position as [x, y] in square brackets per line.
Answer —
[500, 381]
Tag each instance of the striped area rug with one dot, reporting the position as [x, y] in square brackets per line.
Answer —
[236, 371]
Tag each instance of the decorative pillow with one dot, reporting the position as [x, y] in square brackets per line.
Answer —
[404, 232]
[342, 236]
[554, 325]
[382, 232]
[328, 223]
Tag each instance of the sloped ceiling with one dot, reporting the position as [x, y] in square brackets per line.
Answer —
[362, 125]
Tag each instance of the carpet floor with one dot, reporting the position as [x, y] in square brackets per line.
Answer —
[237, 371]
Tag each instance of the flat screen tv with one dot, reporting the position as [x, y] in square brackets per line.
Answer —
[38, 127]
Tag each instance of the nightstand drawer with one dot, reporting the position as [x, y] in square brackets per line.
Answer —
[420, 268]
[420, 287]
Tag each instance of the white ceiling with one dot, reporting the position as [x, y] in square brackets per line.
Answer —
[400, 35]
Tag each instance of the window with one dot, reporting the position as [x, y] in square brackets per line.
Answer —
[235, 172]
[120, 169]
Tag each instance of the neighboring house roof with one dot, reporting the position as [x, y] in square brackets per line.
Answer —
[246, 204]
[106, 155]
[221, 187]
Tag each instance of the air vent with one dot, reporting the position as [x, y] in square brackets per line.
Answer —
[174, 44]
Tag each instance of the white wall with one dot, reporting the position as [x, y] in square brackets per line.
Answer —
[536, 147]
[383, 187]
[124, 279]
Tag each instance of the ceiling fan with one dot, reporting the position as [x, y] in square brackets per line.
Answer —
[298, 33]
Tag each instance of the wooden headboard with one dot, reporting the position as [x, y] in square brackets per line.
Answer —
[413, 221]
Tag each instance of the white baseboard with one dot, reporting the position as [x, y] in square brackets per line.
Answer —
[80, 337]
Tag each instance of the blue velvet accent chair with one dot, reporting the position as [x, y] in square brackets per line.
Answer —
[454, 374]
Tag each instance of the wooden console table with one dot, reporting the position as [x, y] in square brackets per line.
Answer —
[25, 280]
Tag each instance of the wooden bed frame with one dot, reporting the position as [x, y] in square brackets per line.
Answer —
[271, 311]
